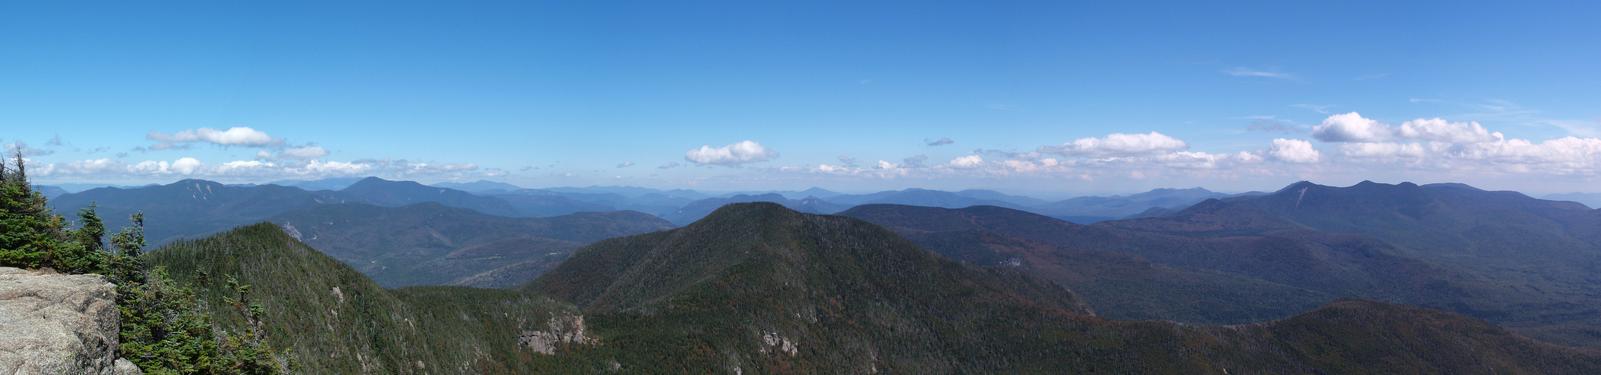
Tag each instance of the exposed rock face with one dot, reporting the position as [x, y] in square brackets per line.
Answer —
[58, 324]
[565, 329]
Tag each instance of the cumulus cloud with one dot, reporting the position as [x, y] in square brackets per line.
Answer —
[625, 164]
[1440, 130]
[1294, 151]
[333, 168]
[739, 153]
[1351, 127]
[243, 166]
[186, 165]
[938, 142]
[304, 152]
[969, 161]
[1119, 144]
[234, 136]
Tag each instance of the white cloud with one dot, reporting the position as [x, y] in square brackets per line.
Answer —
[235, 136]
[335, 168]
[186, 165]
[242, 166]
[1439, 130]
[84, 167]
[1383, 150]
[1566, 155]
[1351, 127]
[1119, 144]
[969, 161]
[886, 165]
[625, 164]
[149, 167]
[1294, 151]
[730, 155]
[305, 152]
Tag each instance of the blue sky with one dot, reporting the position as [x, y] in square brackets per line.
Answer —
[846, 95]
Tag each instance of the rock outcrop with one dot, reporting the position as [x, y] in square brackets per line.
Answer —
[563, 329]
[58, 324]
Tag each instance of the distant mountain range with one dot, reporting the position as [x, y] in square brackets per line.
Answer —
[1118, 284]
[1522, 262]
[763, 289]
[1086, 210]
[431, 244]
[50, 192]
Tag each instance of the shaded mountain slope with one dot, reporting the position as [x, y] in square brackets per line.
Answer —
[696, 210]
[1116, 284]
[381, 192]
[1518, 261]
[331, 319]
[430, 244]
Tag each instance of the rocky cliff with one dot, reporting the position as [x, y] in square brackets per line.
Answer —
[58, 324]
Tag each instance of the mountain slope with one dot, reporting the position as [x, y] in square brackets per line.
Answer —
[331, 319]
[381, 192]
[430, 244]
[756, 287]
[696, 210]
[1518, 261]
[1118, 285]
[856, 296]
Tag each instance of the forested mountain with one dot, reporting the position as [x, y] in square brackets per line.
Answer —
[331, 319]
[381, 192]
[1119, 285]
[431, 244]
[1519, 261]
[699, 209]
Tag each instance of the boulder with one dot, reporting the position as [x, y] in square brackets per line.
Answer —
[58, 324]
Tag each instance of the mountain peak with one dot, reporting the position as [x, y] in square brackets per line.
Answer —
[750, 212]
